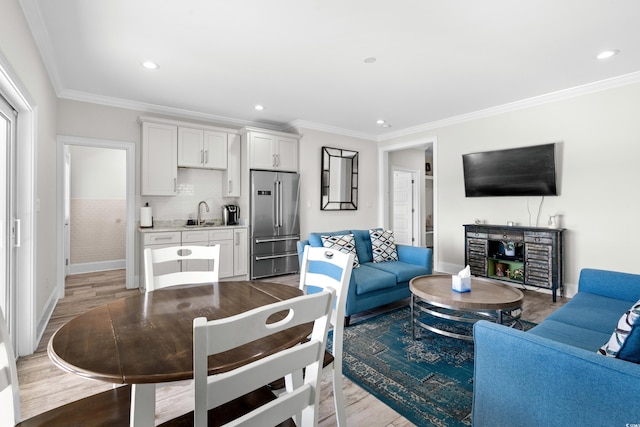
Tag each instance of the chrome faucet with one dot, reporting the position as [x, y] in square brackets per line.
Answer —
[199, 221]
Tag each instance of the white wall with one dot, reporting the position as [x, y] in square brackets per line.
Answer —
[313, 219]
[98, 173]
[599, 173]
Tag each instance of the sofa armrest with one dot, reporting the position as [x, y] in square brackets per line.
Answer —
[612, 284]
[415, 255]
[527, 380]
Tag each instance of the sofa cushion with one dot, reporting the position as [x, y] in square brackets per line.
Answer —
[576, 336]
[369, 279]
[343, 243]
[363, 245]
[591, 311]
[402, 271]
[383, 246]
[624, 343]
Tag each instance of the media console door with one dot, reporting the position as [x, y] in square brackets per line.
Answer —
[530, 256]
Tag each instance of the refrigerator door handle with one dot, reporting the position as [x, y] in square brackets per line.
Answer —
[262, 258]
[281, 208]
[275, 204]
[278, 239]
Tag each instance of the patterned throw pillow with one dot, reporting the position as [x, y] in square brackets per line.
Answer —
[343, 243]
[383, 246]
[624, 343]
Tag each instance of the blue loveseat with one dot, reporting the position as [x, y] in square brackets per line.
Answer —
[552, 375]
[374, 284]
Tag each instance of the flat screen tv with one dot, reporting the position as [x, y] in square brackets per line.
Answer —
[524, 171]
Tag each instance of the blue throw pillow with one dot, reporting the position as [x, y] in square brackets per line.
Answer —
[625, 341]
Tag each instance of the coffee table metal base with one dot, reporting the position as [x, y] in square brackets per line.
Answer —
[420, 307]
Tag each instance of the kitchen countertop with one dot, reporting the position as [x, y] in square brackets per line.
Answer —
[179, 225]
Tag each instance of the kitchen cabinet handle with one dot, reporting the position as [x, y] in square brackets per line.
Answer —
[201, 156]
[273, 160]
[206, 157]
[230, 186]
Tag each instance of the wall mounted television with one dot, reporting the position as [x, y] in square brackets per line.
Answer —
[524, 171]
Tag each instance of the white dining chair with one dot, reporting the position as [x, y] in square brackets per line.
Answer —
[217, 336]
[108, 408]
[185, 254]
[323, 268]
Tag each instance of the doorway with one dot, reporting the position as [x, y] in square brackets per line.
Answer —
[64, 142]
[385, 185]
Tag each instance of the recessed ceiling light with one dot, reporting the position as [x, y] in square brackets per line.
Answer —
[150, 65]
[370, 60]
[258, 107]
[607, 54]
[380, 122]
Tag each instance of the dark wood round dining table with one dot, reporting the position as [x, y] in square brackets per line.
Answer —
[148, 338]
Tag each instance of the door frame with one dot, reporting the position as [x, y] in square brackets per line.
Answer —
[383, 183]
[130, 149]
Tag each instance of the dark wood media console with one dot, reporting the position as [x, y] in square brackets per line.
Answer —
[530, 256]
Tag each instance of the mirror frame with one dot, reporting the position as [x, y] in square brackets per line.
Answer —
[328, 200]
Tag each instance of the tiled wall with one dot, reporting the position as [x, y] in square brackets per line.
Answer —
[97, 230]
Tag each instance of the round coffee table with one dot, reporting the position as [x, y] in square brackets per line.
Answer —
[488, 300]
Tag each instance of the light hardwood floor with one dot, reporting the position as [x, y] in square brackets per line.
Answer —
[44, 386]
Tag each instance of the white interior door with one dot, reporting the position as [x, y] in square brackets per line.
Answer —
[405, 203]
[9, 224]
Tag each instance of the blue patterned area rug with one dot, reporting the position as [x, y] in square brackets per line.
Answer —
[428, 381]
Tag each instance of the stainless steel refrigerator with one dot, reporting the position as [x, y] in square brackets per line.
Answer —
[275, 223]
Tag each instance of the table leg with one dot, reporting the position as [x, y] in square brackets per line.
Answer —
[143, 405]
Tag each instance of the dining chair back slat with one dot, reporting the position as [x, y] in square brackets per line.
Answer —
[154, 281]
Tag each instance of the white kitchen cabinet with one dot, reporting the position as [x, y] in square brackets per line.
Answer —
[272, 150]
[204, 149]
[231, 180]
[240, 252]
[224, 238]
[159, 165]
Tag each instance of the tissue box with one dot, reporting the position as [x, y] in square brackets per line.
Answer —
[461, 284]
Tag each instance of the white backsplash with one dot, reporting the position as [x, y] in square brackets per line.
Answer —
[194, 185]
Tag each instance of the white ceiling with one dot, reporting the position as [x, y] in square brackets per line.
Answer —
[304, 59]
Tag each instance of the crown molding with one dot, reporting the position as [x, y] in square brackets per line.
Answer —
[296, 124]
[560, 95]
[160, 109]
[36, 24]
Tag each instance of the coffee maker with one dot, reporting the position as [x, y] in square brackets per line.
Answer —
[230, 214]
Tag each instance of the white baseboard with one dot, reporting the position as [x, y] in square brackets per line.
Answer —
[92, 267]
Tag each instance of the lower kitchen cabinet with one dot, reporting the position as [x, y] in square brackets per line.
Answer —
[234, 253]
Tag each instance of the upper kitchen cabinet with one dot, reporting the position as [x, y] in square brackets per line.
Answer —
[231, 183]
[204, 149]
[272, 150]
[159, 166]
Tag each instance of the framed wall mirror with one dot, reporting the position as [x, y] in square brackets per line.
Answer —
[339, 180]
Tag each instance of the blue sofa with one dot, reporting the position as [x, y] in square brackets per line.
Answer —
[375, 284]
[552, 375]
